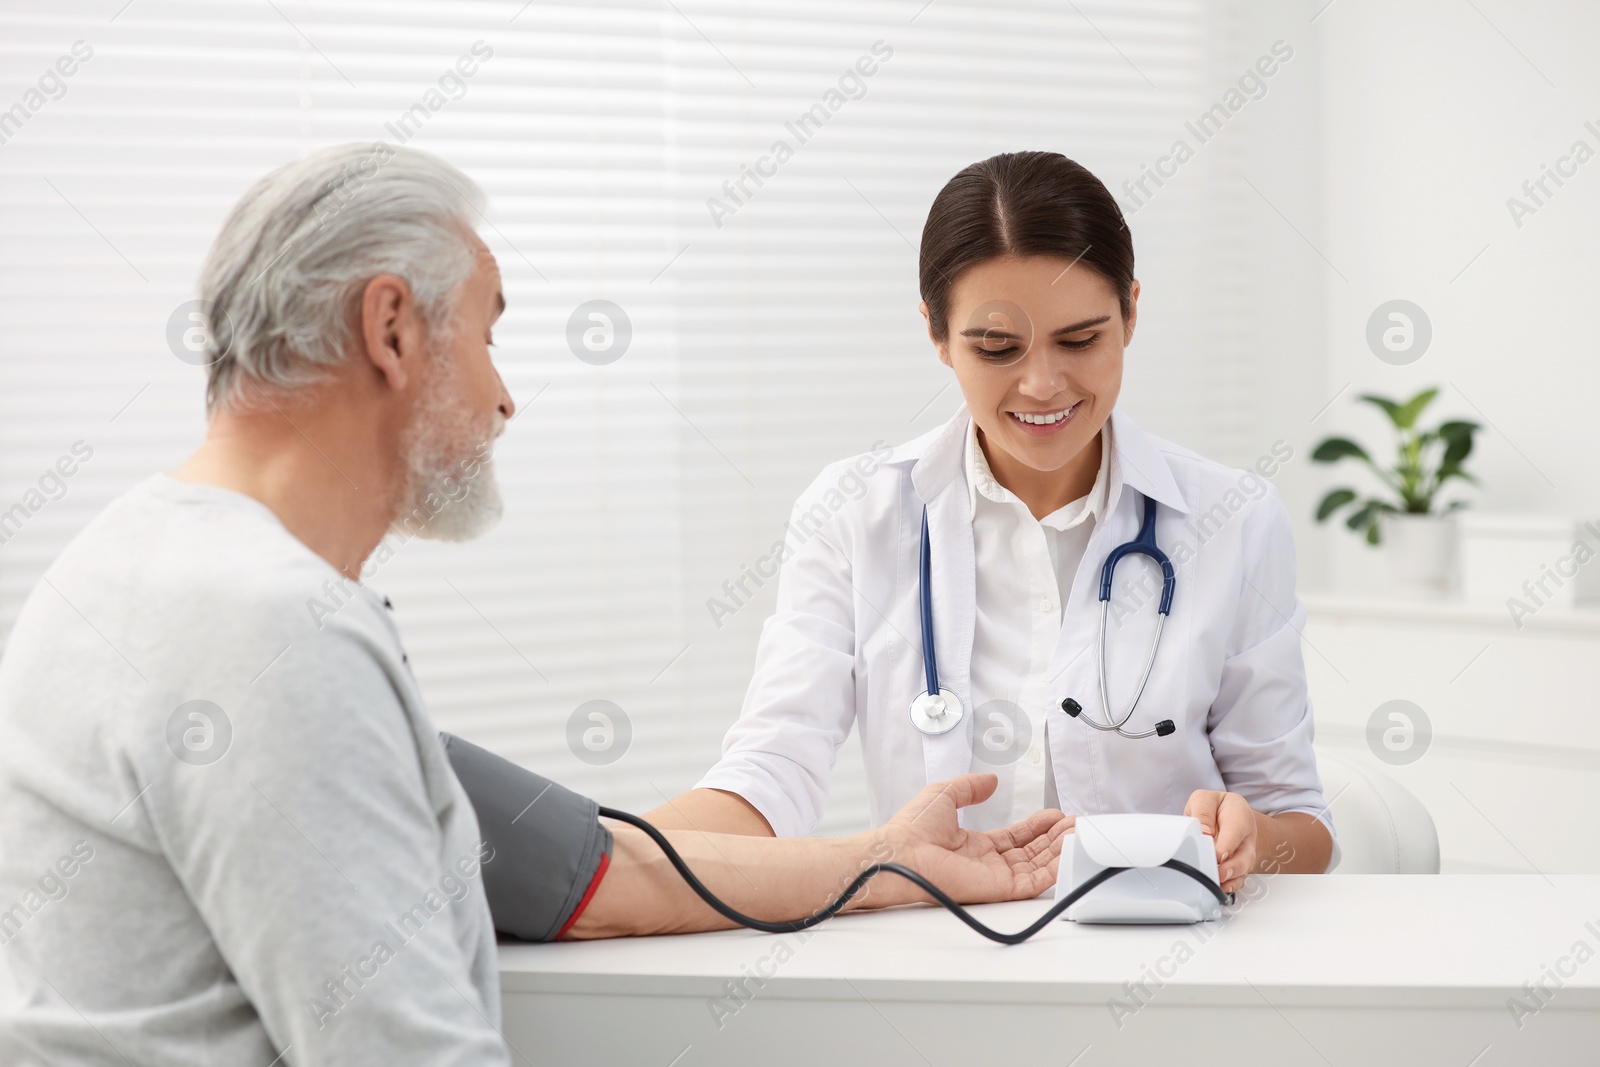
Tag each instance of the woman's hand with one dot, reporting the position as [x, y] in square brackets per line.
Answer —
[1235, 829]
[973, 866]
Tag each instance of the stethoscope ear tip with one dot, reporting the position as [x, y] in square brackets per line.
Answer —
[1072, 707]
[1164, 727]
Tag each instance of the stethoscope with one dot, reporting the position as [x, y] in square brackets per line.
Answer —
[937, 710]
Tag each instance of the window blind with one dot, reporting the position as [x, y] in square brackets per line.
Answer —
[629, 152]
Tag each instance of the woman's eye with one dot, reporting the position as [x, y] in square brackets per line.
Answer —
[1085, 343]
[996, 355]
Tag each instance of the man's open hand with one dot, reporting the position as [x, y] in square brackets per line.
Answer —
[973, 866]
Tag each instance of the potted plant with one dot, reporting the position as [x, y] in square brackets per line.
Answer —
[1425, 460]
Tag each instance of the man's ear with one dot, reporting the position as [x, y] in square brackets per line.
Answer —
[393, 337]
[938, 346]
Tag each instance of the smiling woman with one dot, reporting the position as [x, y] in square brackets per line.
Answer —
[1025, 247]
[987, 536]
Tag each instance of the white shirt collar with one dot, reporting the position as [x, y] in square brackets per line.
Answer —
[1139, 461]
[981, 481]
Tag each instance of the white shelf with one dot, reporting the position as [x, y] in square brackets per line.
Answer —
[1449, 611]
[1512, 737]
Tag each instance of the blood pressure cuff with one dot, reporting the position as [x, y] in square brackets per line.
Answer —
[550, 849]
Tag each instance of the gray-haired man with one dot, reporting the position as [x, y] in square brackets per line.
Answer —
[231, 832]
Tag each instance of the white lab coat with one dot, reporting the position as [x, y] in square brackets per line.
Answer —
[843, 647]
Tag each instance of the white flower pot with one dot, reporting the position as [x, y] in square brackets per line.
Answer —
[1419, 551]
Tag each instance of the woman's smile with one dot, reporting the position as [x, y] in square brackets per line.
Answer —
[1044, 423]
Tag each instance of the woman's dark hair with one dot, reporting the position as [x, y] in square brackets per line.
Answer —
[1022, 204]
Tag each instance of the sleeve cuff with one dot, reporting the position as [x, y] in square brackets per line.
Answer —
[781, 817]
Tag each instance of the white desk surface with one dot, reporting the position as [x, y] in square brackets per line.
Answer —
[1395, 940]
[1323, 970]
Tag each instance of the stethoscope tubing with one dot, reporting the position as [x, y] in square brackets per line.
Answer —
[1144, 544]
[930, 663]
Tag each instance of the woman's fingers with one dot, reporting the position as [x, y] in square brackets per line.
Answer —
[1202, 805]
[1231, 872]
[1235, 841]
[1236, 821]
[1230, 821]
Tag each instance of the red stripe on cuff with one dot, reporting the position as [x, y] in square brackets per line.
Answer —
[594, 883]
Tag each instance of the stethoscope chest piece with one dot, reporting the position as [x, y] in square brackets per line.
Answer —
[936, 713]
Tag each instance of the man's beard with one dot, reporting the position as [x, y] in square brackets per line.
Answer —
[450, 493]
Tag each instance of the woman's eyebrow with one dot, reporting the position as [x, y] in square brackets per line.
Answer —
[998, 331]
[1084, 325]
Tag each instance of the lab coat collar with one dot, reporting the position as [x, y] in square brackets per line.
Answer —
[981, 482]
[936, 456]
[939, 457]
[1137, 461]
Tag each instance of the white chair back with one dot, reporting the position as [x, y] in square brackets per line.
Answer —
[1383, 828]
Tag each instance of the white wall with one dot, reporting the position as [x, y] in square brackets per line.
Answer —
[1434, 112]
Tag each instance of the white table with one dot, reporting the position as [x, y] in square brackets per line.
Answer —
[1358, 970]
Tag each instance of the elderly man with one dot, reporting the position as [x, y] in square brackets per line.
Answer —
[232, 834]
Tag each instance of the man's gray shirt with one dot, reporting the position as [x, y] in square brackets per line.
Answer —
[230, 834]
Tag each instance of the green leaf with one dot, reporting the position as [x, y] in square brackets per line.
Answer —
[1333, 502]
[1390, 408]
[1336, 448]
[1365, 519]
[1458, 438]
[1363, 516]
[1405, 416]
[1453, 470]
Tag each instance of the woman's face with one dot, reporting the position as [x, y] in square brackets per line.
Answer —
[1036, 343]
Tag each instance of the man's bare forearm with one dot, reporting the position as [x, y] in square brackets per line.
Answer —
[764, 877]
